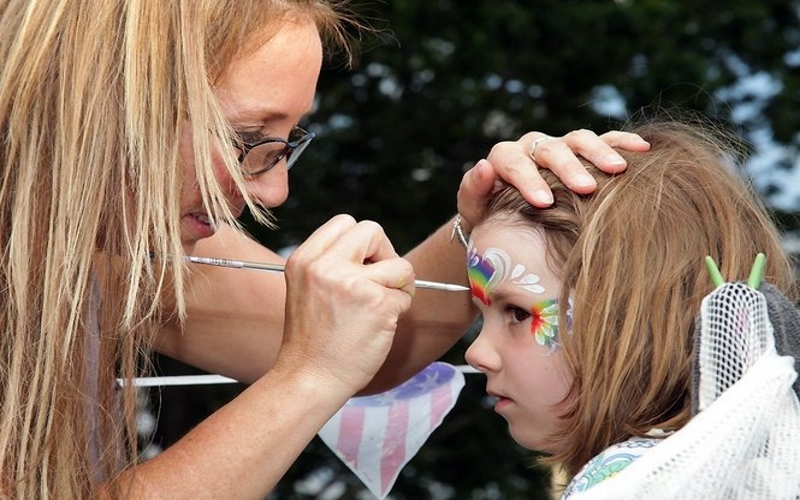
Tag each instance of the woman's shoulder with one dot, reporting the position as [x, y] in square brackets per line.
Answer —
[608, 463]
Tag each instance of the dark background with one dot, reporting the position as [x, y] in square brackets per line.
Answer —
[436, 85]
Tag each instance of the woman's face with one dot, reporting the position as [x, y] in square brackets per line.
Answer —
[517, 347]
[263, 94]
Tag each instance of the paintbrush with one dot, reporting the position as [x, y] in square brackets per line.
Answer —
[278, 268]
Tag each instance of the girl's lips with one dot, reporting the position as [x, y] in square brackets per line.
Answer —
[501, 403]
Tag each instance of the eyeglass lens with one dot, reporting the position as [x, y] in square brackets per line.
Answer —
[263, 157]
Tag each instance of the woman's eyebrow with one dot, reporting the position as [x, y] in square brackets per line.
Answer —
[262, 120]
[258, 118]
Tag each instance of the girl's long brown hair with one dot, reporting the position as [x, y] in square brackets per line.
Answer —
[632, 258]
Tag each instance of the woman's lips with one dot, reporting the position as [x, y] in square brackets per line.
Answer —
[200, 225]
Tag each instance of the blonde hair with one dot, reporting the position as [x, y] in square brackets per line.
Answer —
[632, 258]
[92, 98]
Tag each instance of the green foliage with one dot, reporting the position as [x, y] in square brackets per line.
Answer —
[436, 89]
[442, 81]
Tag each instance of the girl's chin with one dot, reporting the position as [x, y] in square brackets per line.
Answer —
[539, 444]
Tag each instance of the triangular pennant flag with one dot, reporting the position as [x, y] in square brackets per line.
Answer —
[376, 436]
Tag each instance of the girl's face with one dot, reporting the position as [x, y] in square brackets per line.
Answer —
[263, 94]
[518, 348]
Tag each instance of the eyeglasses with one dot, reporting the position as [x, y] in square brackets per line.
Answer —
[257, 157]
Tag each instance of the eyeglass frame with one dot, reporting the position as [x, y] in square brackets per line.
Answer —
[291, 150]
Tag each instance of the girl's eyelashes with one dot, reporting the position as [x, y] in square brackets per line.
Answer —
[517, 314]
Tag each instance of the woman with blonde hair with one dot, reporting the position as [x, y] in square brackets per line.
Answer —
[589, 305]
[135, 133]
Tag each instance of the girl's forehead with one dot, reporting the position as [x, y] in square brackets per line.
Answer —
[508, 258]
[522, 245]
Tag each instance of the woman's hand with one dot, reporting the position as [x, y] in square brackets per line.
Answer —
[517, 163]
[346, 288]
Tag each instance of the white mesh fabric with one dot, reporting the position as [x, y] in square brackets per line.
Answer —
[745, 441]
[735, 333]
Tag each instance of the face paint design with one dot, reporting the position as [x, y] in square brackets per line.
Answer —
[492, 268]
[544, 322]
[480, 272]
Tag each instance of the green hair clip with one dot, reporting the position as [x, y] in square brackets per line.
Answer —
[756, 273]
[713, 271]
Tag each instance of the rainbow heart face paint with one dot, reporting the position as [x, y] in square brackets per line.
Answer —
[479, 272]
[487, 271]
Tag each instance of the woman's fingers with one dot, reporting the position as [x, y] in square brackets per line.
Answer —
[518, 163]
[477, 185]
[599, 150]
[328, 233]
[346, 289]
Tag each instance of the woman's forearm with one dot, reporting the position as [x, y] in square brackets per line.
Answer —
[243, 449]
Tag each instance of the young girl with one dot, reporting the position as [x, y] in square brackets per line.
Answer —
[589, 306]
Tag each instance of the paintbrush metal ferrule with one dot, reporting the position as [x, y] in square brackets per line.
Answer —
[279, 268]
[235, 264]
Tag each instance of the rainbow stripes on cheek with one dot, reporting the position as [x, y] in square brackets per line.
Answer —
[479, 273]
[544, 322]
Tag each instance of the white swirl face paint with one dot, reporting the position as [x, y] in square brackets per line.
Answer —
[494, 267]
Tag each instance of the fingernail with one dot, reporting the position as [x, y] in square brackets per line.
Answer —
[543, 196]
[481, 165]
[614, 160]
[584, 180]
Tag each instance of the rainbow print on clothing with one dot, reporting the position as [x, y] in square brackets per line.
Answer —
[479, 271]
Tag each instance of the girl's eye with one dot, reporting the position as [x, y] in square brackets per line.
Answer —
[518, 315]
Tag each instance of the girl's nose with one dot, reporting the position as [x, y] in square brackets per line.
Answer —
[482, 355]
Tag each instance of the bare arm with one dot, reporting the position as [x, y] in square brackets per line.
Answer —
[243, 449]
[340, 318]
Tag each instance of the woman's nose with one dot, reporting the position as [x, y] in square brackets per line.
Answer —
[270, 188]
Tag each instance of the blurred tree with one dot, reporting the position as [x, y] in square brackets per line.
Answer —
[440, 82]
[446, 81]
